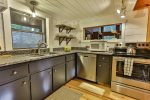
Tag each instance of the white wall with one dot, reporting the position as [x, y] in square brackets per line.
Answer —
[136, 26]
[133, 30]
[1, 34]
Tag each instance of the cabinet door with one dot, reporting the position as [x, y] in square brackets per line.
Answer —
[58, 76]
[17, 90]
[41, 84]
[70, 70]
[103, 73]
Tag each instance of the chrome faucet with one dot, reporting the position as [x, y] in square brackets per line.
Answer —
[39, 47]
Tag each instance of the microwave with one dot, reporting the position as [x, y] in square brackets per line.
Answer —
[98, 46]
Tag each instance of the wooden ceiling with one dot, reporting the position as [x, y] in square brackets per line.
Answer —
[77, 9]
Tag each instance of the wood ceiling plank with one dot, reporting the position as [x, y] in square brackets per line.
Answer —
[77, 8]
[56, 8]
[69, 7]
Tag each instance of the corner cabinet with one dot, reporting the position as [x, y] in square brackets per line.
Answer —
[70, 70]
[70, 67]
[3, 5]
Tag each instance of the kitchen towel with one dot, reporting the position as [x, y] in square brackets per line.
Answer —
[128, 66]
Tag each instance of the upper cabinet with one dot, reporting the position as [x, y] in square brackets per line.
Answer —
[140, 4]
[3, 5]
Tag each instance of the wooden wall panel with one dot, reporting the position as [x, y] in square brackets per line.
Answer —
[148, 26]
[140, 4]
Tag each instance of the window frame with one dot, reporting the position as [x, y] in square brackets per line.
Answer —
[44, 29]
[102, 26]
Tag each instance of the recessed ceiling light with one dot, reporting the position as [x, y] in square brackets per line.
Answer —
[122, 16]
[33, 14]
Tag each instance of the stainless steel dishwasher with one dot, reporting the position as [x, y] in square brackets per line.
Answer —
[86, 66]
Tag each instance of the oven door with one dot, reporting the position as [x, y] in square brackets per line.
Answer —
[140, 75]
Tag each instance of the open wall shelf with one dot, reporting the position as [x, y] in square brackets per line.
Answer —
[64, 38]
[62, 27]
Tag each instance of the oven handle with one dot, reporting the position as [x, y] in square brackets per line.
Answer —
[136, 60]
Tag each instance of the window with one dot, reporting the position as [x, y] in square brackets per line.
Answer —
[105, 32]
[27, 31]
[109, 28]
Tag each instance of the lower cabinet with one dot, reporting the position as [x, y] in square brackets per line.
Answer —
[17, 90]
[58, 76]
[103, 73]
[41, 84]
[70, 70]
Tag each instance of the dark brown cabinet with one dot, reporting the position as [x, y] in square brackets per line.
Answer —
[58, 76]
[70, 70]
[41, 84]
[104, 69]
[103, 73]
[17, 90]
[36, 80]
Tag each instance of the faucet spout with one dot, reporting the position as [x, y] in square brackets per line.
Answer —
[40, 46]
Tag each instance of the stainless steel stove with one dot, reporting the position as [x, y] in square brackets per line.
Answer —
[137, 82]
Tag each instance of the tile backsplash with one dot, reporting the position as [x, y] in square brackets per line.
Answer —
[23, 51]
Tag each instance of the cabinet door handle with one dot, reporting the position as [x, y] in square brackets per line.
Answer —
[50, 73]
[103, 58]
[100, 65]
[24, 83]
[55, 70]
[14, 72]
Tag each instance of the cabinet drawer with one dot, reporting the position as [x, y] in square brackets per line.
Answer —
[39, 65]
[13, 72]
[70, 57]
[57, 60]
[16, 90]
[103, 58]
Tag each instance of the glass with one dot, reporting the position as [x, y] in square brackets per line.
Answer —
[26, 30]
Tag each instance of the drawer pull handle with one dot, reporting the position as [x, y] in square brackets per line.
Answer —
[103, 58]
[100, 65]
[24, 83]
[55, 70]
[14, 72]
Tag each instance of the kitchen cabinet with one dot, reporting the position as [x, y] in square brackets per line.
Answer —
[103, 69]
[70, 70]
[41, 84]
[13, 72]
[16, 90]
[58, 76]
[3, 5]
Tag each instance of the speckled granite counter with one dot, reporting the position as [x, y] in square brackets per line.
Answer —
[5, 60]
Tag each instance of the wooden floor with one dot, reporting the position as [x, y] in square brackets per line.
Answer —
[87, 95]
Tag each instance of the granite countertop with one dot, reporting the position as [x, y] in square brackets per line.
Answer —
[15, 59]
